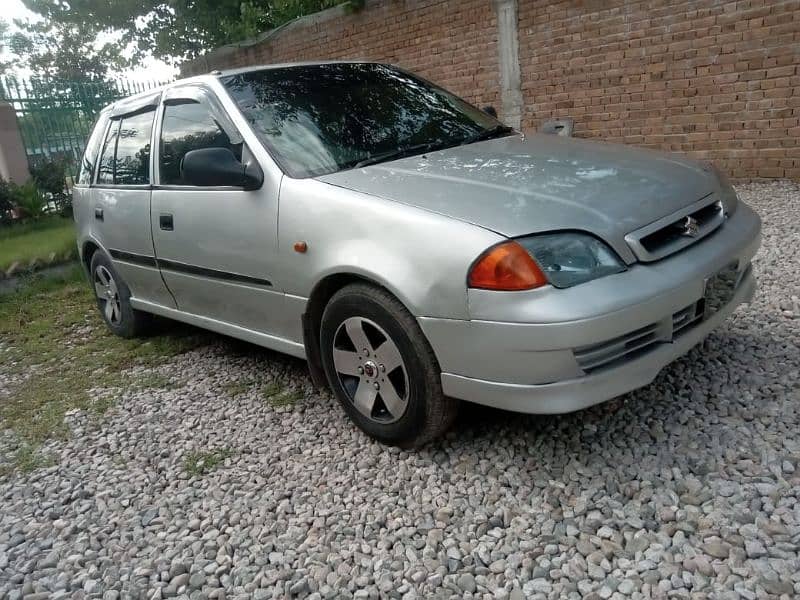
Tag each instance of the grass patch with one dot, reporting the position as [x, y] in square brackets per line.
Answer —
[234, 388]
[200, 463]
[153, 381]
[54, 340]
[276, 395]
[271, 389]
[36, 240]
[100, 405]
[28, 459]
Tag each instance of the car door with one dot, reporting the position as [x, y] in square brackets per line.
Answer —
[216, 246]
[120, 196]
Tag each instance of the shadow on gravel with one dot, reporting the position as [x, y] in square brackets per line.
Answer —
[228, 345]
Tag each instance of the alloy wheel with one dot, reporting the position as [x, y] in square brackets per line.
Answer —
[107, 293]
[371, 370]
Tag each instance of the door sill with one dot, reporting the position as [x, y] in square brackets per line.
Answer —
[242, 333]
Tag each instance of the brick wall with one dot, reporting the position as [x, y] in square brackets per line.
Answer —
[453, 43]
[713, 79]
[710, 78]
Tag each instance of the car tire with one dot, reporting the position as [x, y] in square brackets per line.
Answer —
[113, 299]
[382, 369]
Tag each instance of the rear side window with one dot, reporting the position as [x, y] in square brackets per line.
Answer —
[189, 126]
[125, 159]
[133, 150]
[92, 150]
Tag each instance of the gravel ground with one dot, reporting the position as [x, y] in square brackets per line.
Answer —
[686, 488]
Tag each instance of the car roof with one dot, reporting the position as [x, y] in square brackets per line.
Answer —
[144, 96]
[288, 65]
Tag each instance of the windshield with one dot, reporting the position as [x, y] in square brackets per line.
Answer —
[320, 119]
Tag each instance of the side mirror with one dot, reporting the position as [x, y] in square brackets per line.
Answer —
[490, 110]
[219, 167]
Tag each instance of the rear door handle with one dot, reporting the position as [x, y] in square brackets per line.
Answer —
[98, 213]
[165, 222]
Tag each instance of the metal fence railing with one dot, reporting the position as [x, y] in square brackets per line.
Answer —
[55, 116]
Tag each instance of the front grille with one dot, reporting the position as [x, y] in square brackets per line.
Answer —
[677, 231]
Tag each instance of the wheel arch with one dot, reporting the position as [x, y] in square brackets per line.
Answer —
[320, 295]
[88, 248]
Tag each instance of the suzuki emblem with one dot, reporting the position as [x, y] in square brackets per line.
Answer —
[690, 227]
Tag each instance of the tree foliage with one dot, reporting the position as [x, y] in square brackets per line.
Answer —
[50, 179]
[171, 30]
[5, 39]
[57, 49]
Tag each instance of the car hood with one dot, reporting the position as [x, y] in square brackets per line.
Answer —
[518, 185]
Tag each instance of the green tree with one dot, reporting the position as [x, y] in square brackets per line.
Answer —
[64, 50]
[175, 30]
[4, 46]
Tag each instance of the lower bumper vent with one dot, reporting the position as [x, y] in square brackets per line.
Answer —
[596, 356]
[640, 341]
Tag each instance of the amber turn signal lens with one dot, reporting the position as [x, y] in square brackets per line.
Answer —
[506, 267]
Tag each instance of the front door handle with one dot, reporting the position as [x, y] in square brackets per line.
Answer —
[98, 213]
[165, 222]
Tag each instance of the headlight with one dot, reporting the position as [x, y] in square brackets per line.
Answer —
[569, 258]
[561, 259]
[728, 195]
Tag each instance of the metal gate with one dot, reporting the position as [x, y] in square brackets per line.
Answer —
[55, 116]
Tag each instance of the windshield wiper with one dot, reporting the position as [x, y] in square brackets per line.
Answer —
[487, 134]
[393, 154]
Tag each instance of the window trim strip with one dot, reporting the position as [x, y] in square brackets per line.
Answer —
[120, 186]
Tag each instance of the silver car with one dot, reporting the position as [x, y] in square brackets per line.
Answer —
[413, 249]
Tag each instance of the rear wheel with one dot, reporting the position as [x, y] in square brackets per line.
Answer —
[113, 299]
[382, 369]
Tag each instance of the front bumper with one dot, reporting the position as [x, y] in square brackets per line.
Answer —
[637, 318]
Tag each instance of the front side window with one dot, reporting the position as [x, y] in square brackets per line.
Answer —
[189, 125]
[320, 119]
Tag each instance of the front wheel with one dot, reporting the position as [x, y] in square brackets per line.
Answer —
[382, 369]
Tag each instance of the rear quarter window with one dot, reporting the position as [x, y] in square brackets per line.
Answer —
[105, 171]
[90, 153]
